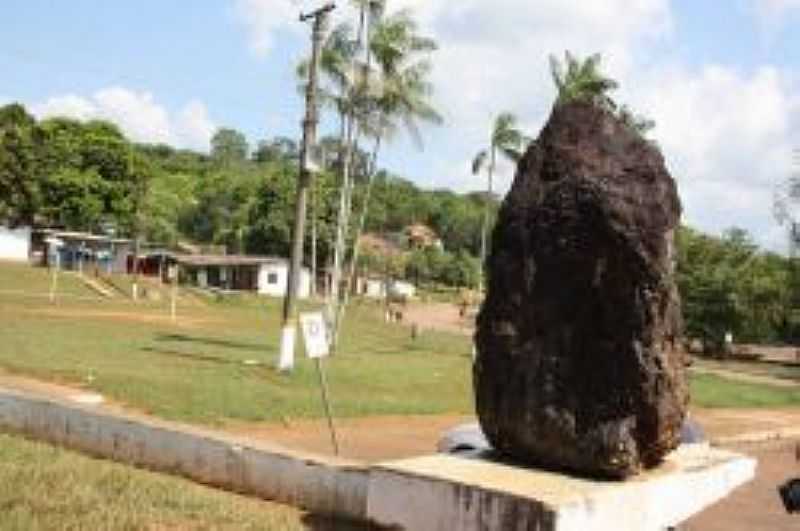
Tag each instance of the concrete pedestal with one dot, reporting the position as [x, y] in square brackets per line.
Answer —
[446, 492]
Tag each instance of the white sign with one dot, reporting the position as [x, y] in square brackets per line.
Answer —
[315, 334]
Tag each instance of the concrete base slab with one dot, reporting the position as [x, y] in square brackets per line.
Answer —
[445, 492]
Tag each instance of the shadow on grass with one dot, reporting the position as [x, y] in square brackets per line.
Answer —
[197, 357]
[210, 341]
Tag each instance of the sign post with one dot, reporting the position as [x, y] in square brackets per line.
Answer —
[315, 335]
[53, 247]
[172, 274]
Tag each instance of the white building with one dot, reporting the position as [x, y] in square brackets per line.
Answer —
[264, 275]
[402, 289]
[15, 244]
[371, 287]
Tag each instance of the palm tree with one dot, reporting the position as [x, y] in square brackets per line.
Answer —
[400, 97]
[578, 80]
[510, 142]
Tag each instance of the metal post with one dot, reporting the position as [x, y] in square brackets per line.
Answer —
[54, 285]
[174, 297]
[288, 332]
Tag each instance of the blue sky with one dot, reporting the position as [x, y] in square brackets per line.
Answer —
[720, 79]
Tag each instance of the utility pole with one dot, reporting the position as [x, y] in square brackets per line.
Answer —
[289, 329]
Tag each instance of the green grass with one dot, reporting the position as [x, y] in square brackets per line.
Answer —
[713, 391]
[42, 487]
[196, 372]
[16, 278]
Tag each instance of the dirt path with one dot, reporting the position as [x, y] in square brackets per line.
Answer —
[755, 506]
[438, 316]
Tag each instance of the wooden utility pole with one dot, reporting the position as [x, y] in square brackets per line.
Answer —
[289, 329]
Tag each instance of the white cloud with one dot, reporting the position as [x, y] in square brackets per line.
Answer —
[267, 21]
[194, 125]
[138, 115]
[263, 19]
[67, 105]
[493, 57]
[727, 137]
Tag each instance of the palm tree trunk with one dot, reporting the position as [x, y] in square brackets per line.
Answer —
[356, 242]
[345, 201]
[342, 220]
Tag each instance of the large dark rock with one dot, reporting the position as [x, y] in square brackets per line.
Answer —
[579, 365]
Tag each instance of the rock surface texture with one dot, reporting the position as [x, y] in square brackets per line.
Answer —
[579, 365]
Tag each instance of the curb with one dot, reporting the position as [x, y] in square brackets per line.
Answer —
[328, 486]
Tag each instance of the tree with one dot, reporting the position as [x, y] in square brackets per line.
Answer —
[277, 149]
[20, 168]
[510, 142]
[401, 94]
[228, 146]
[578, 80]
[581, 80]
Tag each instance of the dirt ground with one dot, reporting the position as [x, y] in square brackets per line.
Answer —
[775, 354]
[755, 506]
[443, 316]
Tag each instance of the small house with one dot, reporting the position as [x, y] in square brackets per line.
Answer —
[80, 251]
[372, 287]
[401, 289]
[260, 274]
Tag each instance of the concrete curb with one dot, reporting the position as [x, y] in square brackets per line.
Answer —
[327, 486]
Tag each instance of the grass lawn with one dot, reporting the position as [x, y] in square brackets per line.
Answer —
[42, 487]
[200, 369]
[195, 370]
[712, 391]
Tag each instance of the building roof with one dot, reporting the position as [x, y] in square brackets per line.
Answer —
[81, 236]
[373, 243]
[226, 260]
[421, 234]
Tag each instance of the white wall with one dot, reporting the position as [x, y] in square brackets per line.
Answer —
[400, 288]
[15, 244]
[202, 277]
[374, 288]
[279, 273]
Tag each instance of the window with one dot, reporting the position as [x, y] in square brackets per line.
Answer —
[272, 278]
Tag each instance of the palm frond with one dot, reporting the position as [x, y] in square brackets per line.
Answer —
[557, 73]
[479, 161]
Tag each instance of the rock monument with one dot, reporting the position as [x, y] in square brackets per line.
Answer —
[579, 366]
